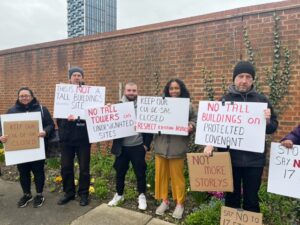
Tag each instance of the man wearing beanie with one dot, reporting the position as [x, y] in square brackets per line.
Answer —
[247, 167]
[74, 140]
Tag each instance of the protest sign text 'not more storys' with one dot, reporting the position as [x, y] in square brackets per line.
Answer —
[164, 115]
[110, 122]
[210, 173]
[238, 125]
[74, 99]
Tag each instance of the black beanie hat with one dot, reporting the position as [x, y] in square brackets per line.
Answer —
[75, 69]
[243, 67]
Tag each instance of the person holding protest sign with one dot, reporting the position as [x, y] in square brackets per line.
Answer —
[131, 149]
[27, 102]
[74, 139]
[170, 152]
[247, 167]
[292, 138]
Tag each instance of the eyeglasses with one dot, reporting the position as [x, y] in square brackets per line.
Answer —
[25, 96]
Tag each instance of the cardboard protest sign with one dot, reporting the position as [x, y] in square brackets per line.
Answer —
[23, 133]
[110, 122]
[74, 99]
[231, 216]
[284, 170]
[238, 125]
[210, 173]
[164, 115]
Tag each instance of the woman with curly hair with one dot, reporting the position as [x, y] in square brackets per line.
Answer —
[170, 152]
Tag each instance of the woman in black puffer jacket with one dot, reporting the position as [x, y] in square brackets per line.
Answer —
[26, 102]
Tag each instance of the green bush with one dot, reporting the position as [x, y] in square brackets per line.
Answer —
[53, 163]
[101, 188]
[150, 173]
[208, 214]
[200, 197]
[102, 165]
[277, 209]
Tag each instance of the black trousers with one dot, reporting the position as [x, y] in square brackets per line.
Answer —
[37, 168]
[250, 178]
[135, 155]
[83, 153]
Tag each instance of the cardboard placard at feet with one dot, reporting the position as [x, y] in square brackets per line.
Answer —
[231, 216]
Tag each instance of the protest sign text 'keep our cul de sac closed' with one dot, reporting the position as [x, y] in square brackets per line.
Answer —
[238, 125]
[23, 143]
[164, 115]
[74, 99]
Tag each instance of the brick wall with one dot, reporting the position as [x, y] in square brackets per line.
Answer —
[177, 48]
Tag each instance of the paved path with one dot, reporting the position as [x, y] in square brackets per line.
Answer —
[52, 214]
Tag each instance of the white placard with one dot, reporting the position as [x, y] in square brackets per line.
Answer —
[29, 155]
[238, 125]
[164, 115]
[284, 170]
[74, 99]
[110, 122]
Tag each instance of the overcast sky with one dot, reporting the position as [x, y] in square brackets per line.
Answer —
[25, 22]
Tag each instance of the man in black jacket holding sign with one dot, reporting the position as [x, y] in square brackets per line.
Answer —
[247, 167]
[74, 138]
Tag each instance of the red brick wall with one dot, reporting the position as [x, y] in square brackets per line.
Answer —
[172, 49]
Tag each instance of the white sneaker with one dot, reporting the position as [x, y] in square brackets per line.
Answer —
[142, 202]
[177, 214]
[117, 199]
[162, 208]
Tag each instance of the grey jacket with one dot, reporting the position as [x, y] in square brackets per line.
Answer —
[174, 146]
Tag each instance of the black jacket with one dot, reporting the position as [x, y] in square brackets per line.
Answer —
[34, 106]
[244, 158]
[72, 132]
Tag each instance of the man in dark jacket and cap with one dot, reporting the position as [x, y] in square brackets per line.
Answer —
[247, 167]
[74, 139]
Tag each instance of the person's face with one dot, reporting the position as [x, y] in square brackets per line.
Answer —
[243, 82]
[25, 97]
[174, 89]
[130, 92]
[76, 78]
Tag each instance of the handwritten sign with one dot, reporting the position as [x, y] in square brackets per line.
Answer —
[165, 115]
[239, 125]
[73, 99]
[22, 135]
[284, 170]
[210, 173]
[110, 122]
[230, 216]
[29, 122]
